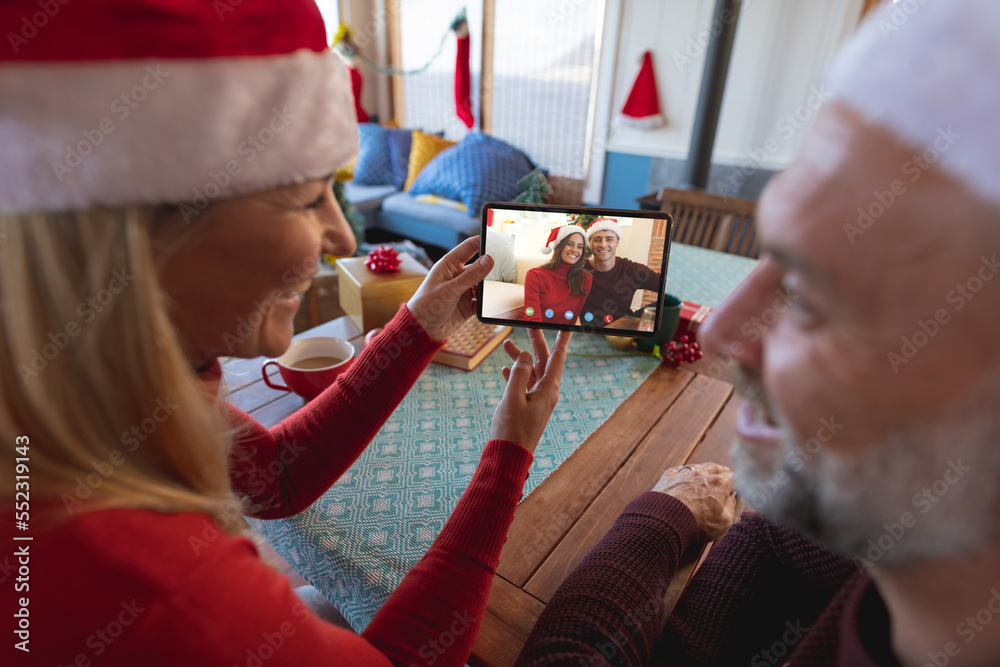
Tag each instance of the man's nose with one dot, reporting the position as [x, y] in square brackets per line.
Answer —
[728, 331]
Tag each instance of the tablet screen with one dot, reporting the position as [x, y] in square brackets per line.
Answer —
[572, 268]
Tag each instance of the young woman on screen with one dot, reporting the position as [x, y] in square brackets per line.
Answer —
[556, 291]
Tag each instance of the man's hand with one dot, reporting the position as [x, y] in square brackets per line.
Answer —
[707, 490]
[532, 390]
[446, 298]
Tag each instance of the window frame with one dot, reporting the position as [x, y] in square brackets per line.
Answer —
[605, 38]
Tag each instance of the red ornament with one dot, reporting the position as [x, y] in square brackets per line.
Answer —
[383, 259]
[674, 352]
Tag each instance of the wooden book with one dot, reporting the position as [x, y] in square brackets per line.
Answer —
[467, 347]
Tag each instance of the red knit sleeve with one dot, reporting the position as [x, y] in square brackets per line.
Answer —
[252, 616]
[533, 282]
[436, 612]
[608, 609]
[285, 469]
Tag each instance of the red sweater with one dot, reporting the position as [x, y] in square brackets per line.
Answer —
[546, 289]
[132, 587]
[764, 596]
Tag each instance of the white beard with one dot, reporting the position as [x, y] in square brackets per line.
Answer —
[855, 503]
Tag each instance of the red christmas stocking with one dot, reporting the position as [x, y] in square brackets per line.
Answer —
[356, 88]
[463, 82]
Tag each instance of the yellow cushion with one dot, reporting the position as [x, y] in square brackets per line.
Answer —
[346, 173]
[450, 203]
[423, 150]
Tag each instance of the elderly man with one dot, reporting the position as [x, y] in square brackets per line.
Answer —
[870, 436]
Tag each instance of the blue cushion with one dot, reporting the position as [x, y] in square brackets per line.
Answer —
[479, 169]
[399, 154]
[373, 166]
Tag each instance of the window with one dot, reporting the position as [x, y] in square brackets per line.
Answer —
[330, 9]
[543, 66]
[429, 97]
[542, 98]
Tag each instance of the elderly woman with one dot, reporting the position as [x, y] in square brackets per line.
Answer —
[165, 196]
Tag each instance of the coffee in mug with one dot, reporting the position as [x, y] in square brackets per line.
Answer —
[310, 365]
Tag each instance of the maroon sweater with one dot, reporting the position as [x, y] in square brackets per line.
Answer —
[546, 289]
[765, 595]
[614, 290]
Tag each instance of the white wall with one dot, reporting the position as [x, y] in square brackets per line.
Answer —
[782, 48]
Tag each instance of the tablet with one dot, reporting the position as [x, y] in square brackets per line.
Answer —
[569, 268]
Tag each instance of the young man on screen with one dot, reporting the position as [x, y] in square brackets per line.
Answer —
[615, 278]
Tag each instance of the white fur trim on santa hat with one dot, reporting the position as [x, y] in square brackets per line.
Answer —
[644, 123]
[926, 71]
[604, 226]
[562, 233]
[116, 133]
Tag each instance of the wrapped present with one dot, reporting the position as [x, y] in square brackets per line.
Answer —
[372, 299]
[692, 315]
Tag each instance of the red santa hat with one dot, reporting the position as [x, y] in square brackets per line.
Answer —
[642, 108]
[604, 225]
[557, 235]
[119, 102]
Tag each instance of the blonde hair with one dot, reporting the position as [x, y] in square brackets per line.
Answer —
[93, 373]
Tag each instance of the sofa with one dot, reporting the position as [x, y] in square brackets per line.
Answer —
[384, 207]
[431, 190]
[503, 289]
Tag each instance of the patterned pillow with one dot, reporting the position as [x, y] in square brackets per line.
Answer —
[400, 142]
[479, 169]
[425, 147]
[373, 166]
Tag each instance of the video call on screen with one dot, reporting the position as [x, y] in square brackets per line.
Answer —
[601, 283]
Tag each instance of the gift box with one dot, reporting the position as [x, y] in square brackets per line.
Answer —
[372, 299]
[692, 315]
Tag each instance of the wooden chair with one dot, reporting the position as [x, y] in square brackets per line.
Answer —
[566, 191]
[714, 222]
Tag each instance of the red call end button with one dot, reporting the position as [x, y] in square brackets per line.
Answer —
[608, 318]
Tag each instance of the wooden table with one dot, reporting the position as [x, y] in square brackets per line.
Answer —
[676, 416]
